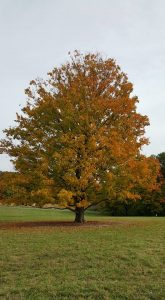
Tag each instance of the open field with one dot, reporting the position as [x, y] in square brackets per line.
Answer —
[124, 260]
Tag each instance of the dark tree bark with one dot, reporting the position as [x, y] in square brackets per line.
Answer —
[79, 215]
[126, 209]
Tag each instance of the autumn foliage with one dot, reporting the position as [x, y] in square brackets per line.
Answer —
[78, 140]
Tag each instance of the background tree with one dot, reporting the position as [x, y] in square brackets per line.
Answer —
[10, 191]
[161, 158]
[81, 135]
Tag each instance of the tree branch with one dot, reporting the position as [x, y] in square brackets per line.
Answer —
[59, 208]
[96, 203]
[72, 209]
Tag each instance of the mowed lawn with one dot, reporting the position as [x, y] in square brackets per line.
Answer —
[125, 260]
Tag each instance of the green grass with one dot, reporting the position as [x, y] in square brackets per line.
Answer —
[12, 214]
[18, 214]
[124, 261]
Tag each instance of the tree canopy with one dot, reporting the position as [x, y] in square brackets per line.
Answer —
[78, 140]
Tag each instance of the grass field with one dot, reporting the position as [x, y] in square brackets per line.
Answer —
[125, 260]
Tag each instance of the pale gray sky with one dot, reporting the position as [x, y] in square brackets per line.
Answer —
[36, 35]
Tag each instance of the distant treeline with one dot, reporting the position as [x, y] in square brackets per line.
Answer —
[151, 203]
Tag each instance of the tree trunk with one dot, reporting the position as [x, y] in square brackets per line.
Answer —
[126, 209]
[79, 215]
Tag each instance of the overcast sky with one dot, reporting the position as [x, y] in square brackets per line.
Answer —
[36, 35]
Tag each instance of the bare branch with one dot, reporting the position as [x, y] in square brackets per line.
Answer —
[59, 208]
[96, 203]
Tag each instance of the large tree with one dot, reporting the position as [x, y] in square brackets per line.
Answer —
[80, 137]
